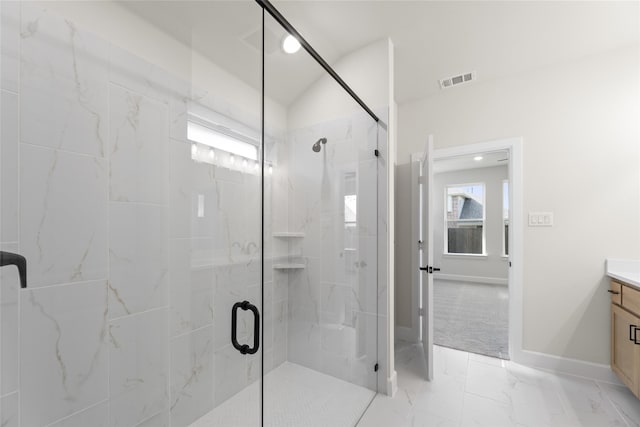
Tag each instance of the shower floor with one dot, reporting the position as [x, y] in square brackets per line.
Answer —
[294, 396]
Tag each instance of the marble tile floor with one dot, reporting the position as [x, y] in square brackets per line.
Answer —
[474, 390]
[294, 396]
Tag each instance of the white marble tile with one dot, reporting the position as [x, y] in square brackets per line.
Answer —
[526, 396]
[410, 366]
[230, 373]
[10, 45]
[624, 401]
[368, 201]
[63, 350]
[241, 410]
[280, 335]
[9, 325]
[451, 363]
[585, 403]
[304, 338]
[181, 188]
[337, 304]
[491, 381]
[9, 410]
[387, 411]
[10, 167]
[482, 411]
[237, 223]
[162, 419]
[95, 416]
[443, 396]
[382, 358]
[191, 376]
[194, 195]
[231, 286]
[337, 266]
[305, 290]
[139, 148]
[205, 204]
[136, 74]
[139, 258]
[533, 397]
[64, 82]
[493, 361]
[63, 205]
[139, 367]
[367, 287]
[427, 419]
[367, 353]
[294, 396]
[191, 288]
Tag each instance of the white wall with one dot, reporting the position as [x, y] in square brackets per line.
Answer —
[580, 125]
[493, 266]
[366, 71]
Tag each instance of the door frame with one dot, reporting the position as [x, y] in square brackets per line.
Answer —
[514, 146]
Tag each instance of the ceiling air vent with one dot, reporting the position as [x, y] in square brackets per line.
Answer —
[457, 80]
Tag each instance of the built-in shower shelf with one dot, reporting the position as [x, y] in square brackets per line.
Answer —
[288, 234]
[289, 266]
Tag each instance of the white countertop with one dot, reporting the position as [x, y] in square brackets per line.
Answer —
[625, 270]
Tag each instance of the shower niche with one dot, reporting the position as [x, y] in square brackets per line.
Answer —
[287, 250]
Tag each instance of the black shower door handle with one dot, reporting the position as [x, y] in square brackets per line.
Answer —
[8, 258]
[244, 348]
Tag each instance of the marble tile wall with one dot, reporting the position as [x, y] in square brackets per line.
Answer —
[9, 213]
[333, 301]
[125, 321]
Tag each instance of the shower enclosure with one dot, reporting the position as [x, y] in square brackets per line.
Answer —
[201, 215]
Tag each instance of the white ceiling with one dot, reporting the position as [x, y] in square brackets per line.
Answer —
[489, 160]
[433, 39]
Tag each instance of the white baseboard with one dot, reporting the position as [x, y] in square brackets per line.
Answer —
[475, 279]
[564, 365]
[406, 334]
[392, 384]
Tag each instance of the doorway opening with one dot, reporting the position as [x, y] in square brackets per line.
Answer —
[461, 225]
[470, 231]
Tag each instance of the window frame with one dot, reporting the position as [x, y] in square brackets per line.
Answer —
[446, 221]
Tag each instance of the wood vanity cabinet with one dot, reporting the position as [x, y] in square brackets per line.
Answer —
[625, 334]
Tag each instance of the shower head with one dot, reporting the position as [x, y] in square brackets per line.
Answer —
[316, 147]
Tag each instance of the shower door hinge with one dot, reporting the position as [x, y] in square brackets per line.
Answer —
[376, 152]
[375, 368]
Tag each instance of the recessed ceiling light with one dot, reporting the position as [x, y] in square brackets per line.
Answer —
[290, 44]
[477, 158]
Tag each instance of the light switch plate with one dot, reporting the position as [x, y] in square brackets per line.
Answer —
[540, 219]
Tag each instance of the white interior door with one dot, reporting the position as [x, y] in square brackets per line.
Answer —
[426, 277]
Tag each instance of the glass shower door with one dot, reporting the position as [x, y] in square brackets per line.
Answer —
[321, 226]
[131, 133]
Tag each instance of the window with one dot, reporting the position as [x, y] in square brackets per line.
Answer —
[350, 201]
[350, 222]
[223, 146]
[464, 219]
[505, 217]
